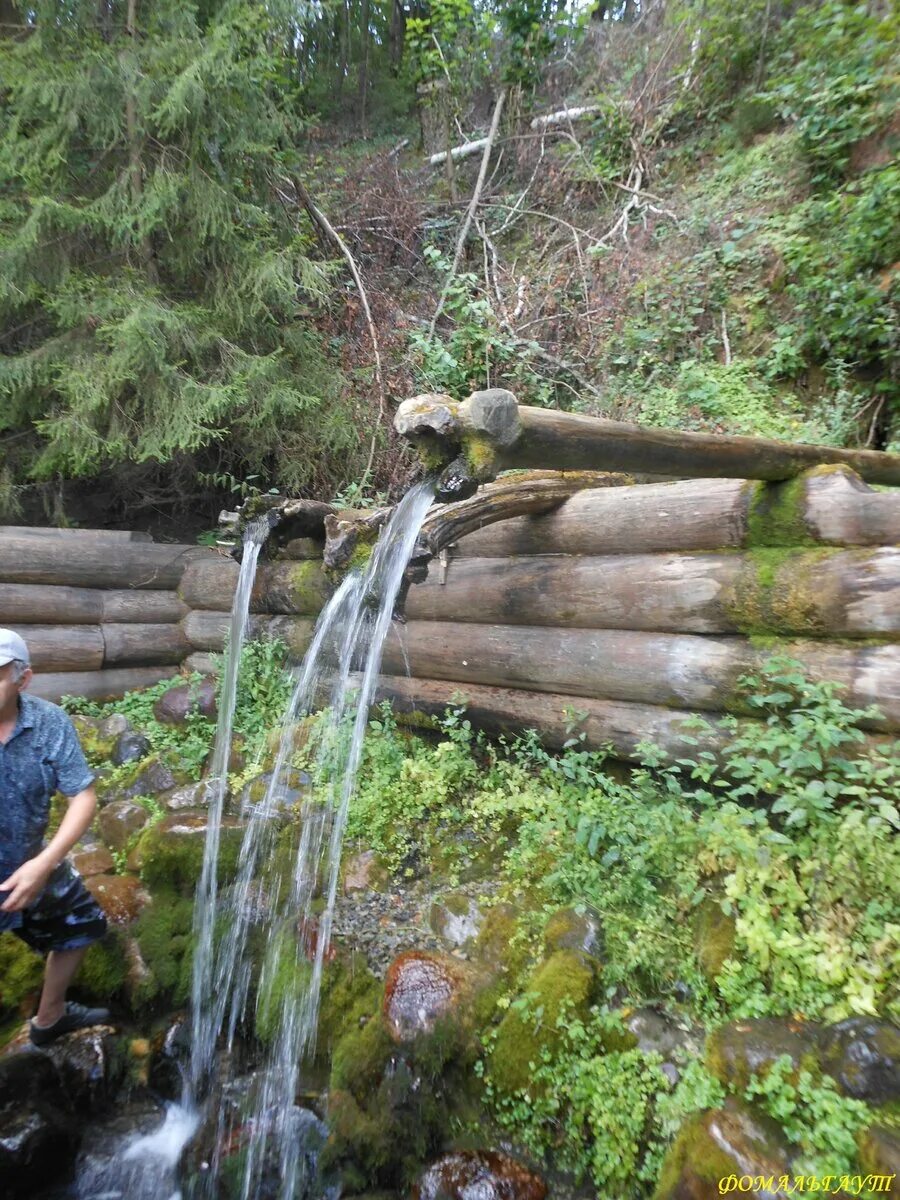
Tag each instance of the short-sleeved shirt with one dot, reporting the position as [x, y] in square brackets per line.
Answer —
[42, 756]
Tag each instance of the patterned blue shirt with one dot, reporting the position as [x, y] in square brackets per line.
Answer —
[42, 756]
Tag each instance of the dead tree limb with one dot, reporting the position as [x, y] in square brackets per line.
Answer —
[319, 219]
[470, 212]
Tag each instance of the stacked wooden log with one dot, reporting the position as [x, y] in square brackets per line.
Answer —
[634, 607]
[621, 614]
[98, 609]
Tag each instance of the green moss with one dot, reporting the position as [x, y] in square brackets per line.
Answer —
[497, 942]
[96, 747]
[284, 978]
[778, 592]
[103, 972]
[480, 456]
[164, 933]
[308, 587]
[359, 559]
[563, 981]
[777, 514]
[21, 972]
[175, 859]
[714, 934]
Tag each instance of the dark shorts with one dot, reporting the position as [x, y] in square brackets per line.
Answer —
[65, 917]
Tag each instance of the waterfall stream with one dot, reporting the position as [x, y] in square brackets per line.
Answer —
[280, 907]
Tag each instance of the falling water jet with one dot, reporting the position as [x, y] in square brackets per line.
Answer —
[344, 658]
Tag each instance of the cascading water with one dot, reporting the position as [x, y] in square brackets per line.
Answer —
[271, 905]
[144, 1167]
[346, 653]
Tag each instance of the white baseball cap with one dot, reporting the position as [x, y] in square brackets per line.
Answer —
[12, 647]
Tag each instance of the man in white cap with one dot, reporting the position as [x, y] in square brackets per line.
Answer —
[42, 899]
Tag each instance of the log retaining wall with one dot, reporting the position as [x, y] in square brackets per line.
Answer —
[629, 608]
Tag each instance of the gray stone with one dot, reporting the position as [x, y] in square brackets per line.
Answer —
[130, 747]
[456, 919]
[863, 1055]
[113, 725]
[120, 821]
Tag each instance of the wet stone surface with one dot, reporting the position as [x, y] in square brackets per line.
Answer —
[863, 1055]
[421, 988]
[479, 1175]
[129, 747]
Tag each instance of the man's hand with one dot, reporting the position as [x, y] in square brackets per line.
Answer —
[25, 884]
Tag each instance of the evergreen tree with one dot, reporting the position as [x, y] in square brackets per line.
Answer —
[156, 288]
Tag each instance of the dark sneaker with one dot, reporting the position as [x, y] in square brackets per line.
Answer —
[76, 1016]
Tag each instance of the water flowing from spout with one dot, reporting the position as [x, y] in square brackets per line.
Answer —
[204, 1026]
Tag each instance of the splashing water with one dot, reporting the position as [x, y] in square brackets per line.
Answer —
[274, 900]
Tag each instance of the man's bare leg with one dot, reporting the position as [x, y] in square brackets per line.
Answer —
[59, 973]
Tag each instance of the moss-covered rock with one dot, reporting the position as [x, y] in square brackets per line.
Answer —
[714, 935]
[170, 853]
[863, 1056]
[104, 969]
[164, 934]
[879, 1150]
[571, 929]
[742, 1049]
[732, 1140]
[96, 744]
[564, 981]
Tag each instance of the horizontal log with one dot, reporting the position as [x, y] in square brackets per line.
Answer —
[63, 647]
[142, 607]
[830, 505]
[100, 535]
[69, 561]
[597, 724]
[842, 510]
[496, 434]
[143, 645]
[202, 662]
[36, 605]
[512, 710]
[820, 592]
[701, 514]
[676, 670]
[97, 685]
[209, 630]
[280, 587]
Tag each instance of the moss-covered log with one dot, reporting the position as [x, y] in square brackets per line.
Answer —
[490, 432]
[828, 505]
[280, 587]
[817, 592]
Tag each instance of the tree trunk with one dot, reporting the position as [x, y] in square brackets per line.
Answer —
[496, 434]
[36, 605]
[70, 562]
[397, 35]
[363, 84]
[797, 593]
[97, 685]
